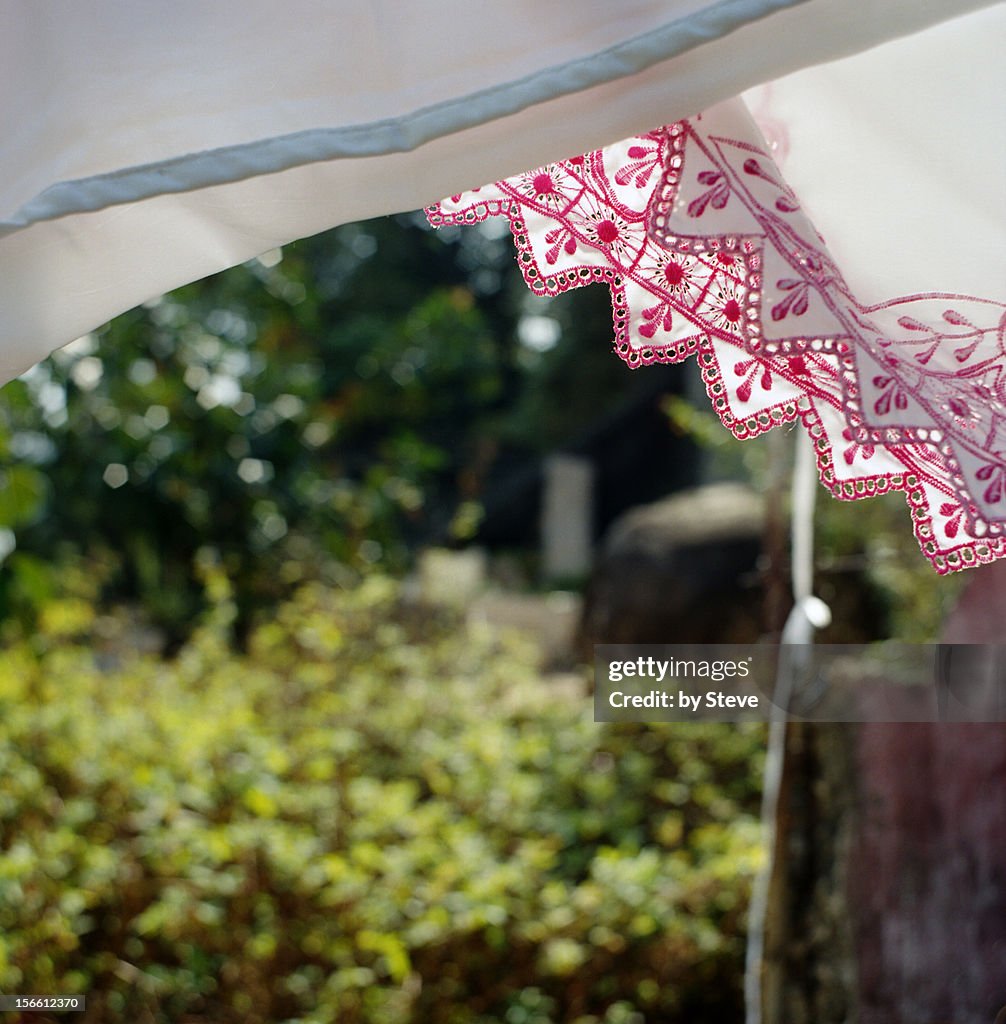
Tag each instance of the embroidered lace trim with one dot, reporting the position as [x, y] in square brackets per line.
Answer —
[706, 252]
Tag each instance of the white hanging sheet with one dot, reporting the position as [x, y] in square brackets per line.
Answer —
[145, 145]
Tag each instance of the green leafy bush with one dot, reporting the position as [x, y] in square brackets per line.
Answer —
[375, 815]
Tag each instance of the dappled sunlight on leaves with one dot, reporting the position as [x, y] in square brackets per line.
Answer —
[375, 815]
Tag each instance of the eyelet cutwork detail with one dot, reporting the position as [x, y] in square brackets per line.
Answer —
[707, 253]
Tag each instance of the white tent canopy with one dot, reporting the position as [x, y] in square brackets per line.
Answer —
[145, 146]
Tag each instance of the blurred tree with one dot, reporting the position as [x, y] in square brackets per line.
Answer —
[340, 401]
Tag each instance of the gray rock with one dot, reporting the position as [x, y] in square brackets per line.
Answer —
[681, 570]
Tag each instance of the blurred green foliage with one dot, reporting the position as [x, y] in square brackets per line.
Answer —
[375, 815]
[336, 402]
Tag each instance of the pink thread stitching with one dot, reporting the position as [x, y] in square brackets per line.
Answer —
[919, 378]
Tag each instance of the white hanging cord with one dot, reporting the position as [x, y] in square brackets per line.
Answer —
[808, 614]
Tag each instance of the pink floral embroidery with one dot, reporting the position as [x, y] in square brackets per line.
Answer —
[797, 300]
[995, 476]
[644, 160]
[787, 201]
[920, 378]
[891, 394]
[559, 239]
[749, 370]
[855, 448]
[956, 514]
[716, 196]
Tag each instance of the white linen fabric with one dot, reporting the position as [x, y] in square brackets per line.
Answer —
[147, 145]
[899, 157]
[842, 267]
